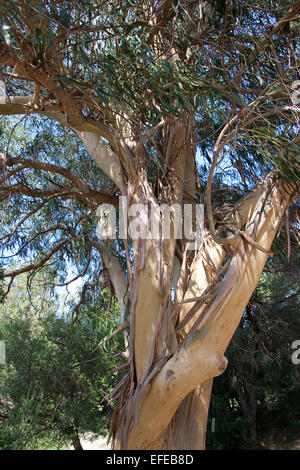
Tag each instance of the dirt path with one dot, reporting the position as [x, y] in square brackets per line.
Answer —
[89, 442]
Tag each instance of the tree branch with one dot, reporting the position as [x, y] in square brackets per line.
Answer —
[106, 158]
[33, 266]
[88, 133]
[201, 357]
[84, 188]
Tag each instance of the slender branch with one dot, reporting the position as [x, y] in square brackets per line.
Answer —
[122, 327]
[26, 217]
[79, 275]
[88, 132]
[61, 244]
[82, 299]
[65, 193]
[289, 16]
[81, 185]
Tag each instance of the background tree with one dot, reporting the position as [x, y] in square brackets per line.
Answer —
[175, 101]
[254, 403]
[54, 386]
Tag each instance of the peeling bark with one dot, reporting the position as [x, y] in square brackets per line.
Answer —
[187, 428]
[201, 354]
[155, 270]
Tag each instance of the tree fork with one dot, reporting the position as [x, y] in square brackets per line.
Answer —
[202, 355]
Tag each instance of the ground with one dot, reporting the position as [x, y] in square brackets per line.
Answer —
[89, 441]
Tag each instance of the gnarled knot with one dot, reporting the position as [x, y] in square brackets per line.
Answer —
[220, 363]
[226, 234]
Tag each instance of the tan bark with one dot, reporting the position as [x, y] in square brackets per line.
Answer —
[105, 157]
[155, 277]
[117, 278]
[190, 432]
[187, 428]
[209, 260]
[201, 358]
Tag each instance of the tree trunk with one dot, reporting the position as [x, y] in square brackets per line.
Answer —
[76, 442]
[165, 398]
[187, 429]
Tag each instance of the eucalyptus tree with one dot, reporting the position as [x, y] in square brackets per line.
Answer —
[184, 102]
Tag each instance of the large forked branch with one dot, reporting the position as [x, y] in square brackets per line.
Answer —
[206, 264]
[202, 356]
[209, 260]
